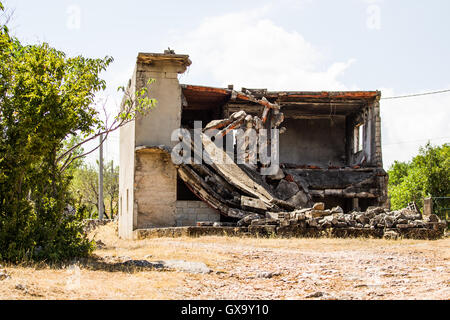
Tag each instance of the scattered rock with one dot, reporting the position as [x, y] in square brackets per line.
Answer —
[330, 219]
[375, 210]
[389, 221]
[268, 275]
[100, 244]
[418, 223]
[362, 219]
[186, 266]
[124, 258]
[4, 275]
[312, 223]
[341, 224]
[224, 224]
[300, 199]
[318, 213]
[315, 295]
[246, 221]
[260, 222]
[272, 215]
[300, 216]
[286, 189]
[319, 206]
[205, 223]
[278, 176]
[391, 235]
[432, 218]
[143, 264]
[21, 287]
[326, 224]
[337, 210]
[404, 222]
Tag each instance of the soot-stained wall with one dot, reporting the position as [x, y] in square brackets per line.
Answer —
[313, 141]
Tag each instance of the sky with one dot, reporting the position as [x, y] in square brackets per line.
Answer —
[396, 46]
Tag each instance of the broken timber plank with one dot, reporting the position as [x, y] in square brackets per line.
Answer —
[253, 203]
[231, 172]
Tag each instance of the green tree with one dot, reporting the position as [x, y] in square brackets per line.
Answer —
[47, 114]
[111, 188]
[84, 187]
[427, 174]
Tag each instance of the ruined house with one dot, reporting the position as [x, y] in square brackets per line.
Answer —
[329, 151]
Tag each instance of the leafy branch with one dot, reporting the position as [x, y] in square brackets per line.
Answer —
[132, 106]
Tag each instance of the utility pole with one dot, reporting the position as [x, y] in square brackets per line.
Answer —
[111, 200]
[100, 181]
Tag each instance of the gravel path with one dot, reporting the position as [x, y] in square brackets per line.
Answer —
[391, 272]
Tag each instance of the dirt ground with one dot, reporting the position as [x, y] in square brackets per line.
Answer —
[243, 268]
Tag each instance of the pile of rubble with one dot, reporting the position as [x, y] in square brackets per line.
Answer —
[236, 190]
[281, 200]
[375, 218]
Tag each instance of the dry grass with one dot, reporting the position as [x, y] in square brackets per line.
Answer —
[340, 268]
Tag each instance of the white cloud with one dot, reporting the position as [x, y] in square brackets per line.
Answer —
[408, 123]
[247, 49]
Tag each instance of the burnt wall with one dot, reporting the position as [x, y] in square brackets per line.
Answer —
[314, 141]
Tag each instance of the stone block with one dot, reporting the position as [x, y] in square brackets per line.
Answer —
[319, 206]
[193, 204]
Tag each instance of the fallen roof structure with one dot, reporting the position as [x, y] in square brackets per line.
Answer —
[329, 151]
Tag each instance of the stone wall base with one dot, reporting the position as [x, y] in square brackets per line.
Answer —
[291, 232]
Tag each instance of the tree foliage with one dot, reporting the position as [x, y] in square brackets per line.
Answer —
[427, 174]
[47, 114]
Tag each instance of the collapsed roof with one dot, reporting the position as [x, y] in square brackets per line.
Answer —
[293, 103]
[239, 190]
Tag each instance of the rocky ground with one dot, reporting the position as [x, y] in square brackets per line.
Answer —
[240, 268]
[375, 221]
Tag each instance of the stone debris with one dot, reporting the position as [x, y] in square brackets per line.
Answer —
[21, 287]
[4, 275]
[391, 235]
[315, 295]
[286, 189]
[100, 244]
[177, 265]
[143, 264]
[283, 200]
[186, 266]
[268, 275]
[319, 206]
[238, 190]
[391, 223]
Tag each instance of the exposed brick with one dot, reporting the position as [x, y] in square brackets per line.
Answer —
[193, 204]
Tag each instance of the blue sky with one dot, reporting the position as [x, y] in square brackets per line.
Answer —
[396, 46]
